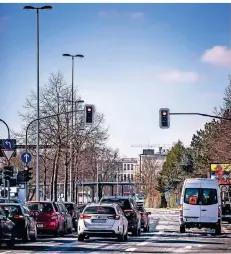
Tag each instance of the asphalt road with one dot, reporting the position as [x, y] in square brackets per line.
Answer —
[163, 238]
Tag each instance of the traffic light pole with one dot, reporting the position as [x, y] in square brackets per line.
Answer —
[200, 114]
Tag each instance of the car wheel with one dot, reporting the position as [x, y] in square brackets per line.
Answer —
[81, 238]
[11, 242]
[182, 229]
[218, 230]
[146, 229]
[26, 235]
[69, 231]
[139, 231]
[135, 232]
[121, 237]
[56, 232]
[126, 236]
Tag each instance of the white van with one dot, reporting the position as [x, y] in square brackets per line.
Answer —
[200, 205]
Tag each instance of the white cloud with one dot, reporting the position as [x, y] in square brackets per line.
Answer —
[116, 14]
[177, 76]
[218, 55]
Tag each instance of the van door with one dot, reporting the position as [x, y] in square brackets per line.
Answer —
[209, 204]
[191, 206]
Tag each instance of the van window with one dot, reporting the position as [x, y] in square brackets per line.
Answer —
[209, 196]
[189, 193]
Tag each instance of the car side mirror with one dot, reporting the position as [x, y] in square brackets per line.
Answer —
[2, 217]
[149, 213]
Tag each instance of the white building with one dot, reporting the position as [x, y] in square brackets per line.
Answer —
[128, 169]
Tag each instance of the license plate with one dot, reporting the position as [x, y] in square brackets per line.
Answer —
[40, 225]
[191, 219]
[99, 221]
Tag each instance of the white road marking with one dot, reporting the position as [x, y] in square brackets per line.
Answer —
[130, 249]
[188, 247]
[143, 243]
[8, 251]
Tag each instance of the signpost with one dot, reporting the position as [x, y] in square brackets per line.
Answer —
[26, 157]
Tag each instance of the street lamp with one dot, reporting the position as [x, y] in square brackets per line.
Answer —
[45, 7]
[72, 108]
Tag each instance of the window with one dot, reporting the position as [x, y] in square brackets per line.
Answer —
[99, 210]
[124, 177]
[189, 194]
[128, 177]
[209, 196]
[70, 207]
[131, 166]
[125, 166]
[41, 207]
[203, 196]
[132, 177]
[128, 166]
[123, 203]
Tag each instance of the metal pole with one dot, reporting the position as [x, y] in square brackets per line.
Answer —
[37, 150]
[97, 182]
[72, 126]
[117, 181]
[8, 193]
[82, 189]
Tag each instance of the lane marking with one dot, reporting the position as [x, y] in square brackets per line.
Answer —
[144, 243]
[188, 247]
[130, 249]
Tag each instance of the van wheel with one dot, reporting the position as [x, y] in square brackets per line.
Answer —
[218, 230]
[182, 229]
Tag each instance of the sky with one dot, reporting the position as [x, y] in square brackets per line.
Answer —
[138, 58]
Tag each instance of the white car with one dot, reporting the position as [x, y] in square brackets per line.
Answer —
[102, 220]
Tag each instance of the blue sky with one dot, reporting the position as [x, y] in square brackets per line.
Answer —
[138, 58]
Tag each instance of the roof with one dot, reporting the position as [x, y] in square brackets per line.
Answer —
[98, 204]
[116, 197]
[14, 204]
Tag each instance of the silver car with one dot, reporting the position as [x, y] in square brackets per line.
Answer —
[102, 220]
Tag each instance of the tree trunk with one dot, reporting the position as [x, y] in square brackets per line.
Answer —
[52, 177]
[56, 174]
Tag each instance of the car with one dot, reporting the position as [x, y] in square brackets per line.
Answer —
[200, 205]
[48, 217]
[7, 230]
[68, 225]
[139, 199]
[25, 225]
[6, 200]
[145, 220]
[128, 205]
[102, 220]
[73, 211]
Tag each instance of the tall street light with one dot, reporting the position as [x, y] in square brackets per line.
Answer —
[37, 9]
[72, 122]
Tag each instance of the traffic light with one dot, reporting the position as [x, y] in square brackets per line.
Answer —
[8, 172]
[27, 173]
[164, 118]
[89, 112]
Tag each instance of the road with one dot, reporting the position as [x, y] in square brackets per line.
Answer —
[163, 238]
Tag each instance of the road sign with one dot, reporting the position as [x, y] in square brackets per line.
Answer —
[166, 194]
[165, 189]
[8, 144]
[26, 157]
[8, 153]
[3, 144]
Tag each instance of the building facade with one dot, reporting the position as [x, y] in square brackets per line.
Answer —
[128, 167]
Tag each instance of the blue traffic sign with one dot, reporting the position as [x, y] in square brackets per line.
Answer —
[165, 189]
[8, 144]
[26, 157]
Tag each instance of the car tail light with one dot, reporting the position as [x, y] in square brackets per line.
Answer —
[181, 210]
[18, 216]
[84, 216]
[74, 214]
[129, 211]
[114, 217]
[144, 217]
[219, 211]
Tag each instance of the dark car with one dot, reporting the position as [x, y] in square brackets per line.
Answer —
[25, 225]
[5, 200]
[73, 211]
[7, 230]
[145, 221]
[130, 210]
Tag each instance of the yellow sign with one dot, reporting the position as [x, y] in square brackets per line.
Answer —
[222, 172]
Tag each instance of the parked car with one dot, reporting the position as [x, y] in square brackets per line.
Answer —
[68, 225]
[128, 205]
[200, 205]
[145, 220]
[73, 211]
[7, 230]
[48, 217]
[25, 225]
[103, 220]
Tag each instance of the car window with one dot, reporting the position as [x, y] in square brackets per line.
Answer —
[123, 203]
[41, 207]
[26, 211]
[191, 196]
[209, 196]
[99, 210]
[70, 207]
[140, 209]
[12, 210]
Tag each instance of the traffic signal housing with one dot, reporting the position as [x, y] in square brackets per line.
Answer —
[89, 112]
[27, 173]
[8, 172]
[164, 118]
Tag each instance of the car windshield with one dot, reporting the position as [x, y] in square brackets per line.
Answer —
[41, 207]
[123, 203]
[99, 210]
[200, 196]
[70, 207]
[12, 210]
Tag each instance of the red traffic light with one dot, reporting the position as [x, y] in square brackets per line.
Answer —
[164, 113]
[89, 109]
